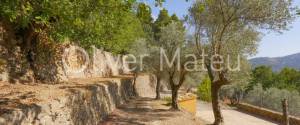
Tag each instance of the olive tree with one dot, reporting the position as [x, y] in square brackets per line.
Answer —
[173, 59]
[232, 27]
[153, 66]
[271, 98]
[147, 55]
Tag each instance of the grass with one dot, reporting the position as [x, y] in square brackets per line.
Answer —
[168, 100]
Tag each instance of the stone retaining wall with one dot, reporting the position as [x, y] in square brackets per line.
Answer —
[145, 85]
[272, 115]
[48, 59]
[100, 64]
[65, 104]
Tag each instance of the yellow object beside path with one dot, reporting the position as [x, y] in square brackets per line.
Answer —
[188, 103]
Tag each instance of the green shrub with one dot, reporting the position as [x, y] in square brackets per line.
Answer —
[168, 100]
[204, 90]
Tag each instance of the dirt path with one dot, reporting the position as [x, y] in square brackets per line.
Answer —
[231, 116]
[145, 111]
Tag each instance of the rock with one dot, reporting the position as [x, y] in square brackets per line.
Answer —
[145, 85]
[81, 104]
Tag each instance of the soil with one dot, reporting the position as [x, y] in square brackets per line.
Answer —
[147, 111]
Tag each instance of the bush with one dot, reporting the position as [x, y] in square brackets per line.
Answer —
[233, 92]
[204, 90]
[168, 100]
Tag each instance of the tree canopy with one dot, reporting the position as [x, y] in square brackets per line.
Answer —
[163, 20]
[144, 14]
[173, 47]
[287, 78]
[230, 27]
[108, 24]
[262, 75]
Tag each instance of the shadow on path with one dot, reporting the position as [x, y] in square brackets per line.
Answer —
[232, 116]
[139, 112]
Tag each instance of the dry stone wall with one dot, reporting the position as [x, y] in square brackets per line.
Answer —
[67, 103]
[145, 85]
[100, 64]
[272, 115]
[50, 69]
[52, 62]
[82, 104]
[13, 63]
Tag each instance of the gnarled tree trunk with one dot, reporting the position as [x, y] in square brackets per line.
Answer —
[135, 75]
[175, 98]
[157, 88]
[175, 87]
[215, 87]
[219, 120]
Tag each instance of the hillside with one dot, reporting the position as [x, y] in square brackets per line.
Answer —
[277, 63]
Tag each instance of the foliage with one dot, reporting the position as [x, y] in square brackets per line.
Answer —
[271, 98]
[151, 48]
[149, 45]
[162, 21]
[193, 79]
[139, 48]
[230, 27]
[204, 90]
[172, 37]
[172, 41]
[168, 100]
[145, 17]
[287, 78]
[144, 14]
[262, 75]
[267, 88]
[159, 2]
[108, 24]
[235, 91]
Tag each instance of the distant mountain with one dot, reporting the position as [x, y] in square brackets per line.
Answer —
[277, 63]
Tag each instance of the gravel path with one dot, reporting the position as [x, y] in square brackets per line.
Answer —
[146, 111]
[231, 116]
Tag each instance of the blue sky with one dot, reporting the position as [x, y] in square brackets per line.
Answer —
[272, 44]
